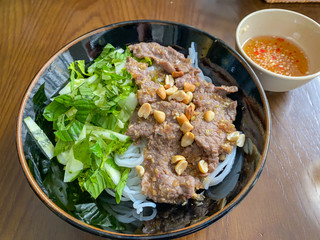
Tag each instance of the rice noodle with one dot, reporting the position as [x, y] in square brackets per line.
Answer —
[126, 214]
[221, 171]
[132, 157]
[193, 56]
[132, 191]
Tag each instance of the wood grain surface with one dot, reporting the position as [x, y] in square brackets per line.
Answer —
[285, 202]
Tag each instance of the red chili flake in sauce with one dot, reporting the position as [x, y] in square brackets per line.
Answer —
[276, 54]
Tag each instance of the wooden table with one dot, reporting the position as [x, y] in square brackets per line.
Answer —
[284, 204]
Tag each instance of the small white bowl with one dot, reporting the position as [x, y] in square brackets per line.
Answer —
[302, 30]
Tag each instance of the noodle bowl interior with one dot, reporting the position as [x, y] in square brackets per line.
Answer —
[173, 138]
[186, 122]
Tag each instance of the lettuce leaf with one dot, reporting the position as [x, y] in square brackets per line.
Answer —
[97, 148]
[54, 110]
[89, 117]
[71, 133]
[97, 182]
[82, 151]
[122, 183]
[62, 146]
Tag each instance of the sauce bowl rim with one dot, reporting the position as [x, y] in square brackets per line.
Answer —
[240, 47]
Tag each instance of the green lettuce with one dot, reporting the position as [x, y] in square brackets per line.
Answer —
[89, 118]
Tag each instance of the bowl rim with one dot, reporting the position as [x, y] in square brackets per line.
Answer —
[171, 234]
[276, 75]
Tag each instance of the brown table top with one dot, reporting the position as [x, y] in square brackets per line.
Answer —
[285, 202]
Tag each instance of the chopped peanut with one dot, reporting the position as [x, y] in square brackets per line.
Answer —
[178, 95]
[227, 147]
[167, 86]
[171, 90]
[181, 119]
[177, 158]
[208, 116]
[161, 91]
[181, 166]
[159, 116]
[140, 171]
[234, 136]
[190, 111]
[198, 197]
[227, 126]
[187, 139]
[241, 140]
[186, 127]
[188, 98]
[222, 157]
[189, 87]
[177, 74]
[175, 183]
[203, 166]
[144, 110]
[169, 80]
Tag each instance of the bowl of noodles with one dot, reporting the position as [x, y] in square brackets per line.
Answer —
[143, 130]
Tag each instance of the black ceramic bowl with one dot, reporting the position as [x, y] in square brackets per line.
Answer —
[218, 61]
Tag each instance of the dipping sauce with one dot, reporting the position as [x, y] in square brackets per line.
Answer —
[278, 55]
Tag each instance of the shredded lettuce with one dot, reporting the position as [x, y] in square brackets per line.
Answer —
[90, 116]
